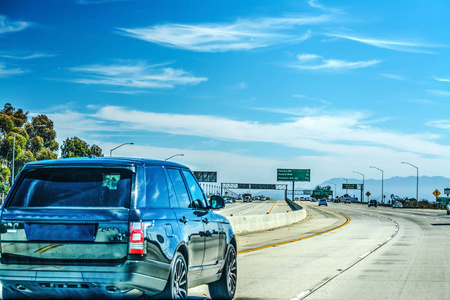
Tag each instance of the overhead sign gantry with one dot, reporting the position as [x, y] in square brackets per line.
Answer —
[293, 175]
[253, 186]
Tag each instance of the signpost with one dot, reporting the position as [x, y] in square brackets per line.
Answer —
[347, 186]
[447, 191]
[293, 175]
[368, 194]
[206, 176]
[436, 193]
[253, 186]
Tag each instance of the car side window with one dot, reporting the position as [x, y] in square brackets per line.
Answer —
[156, 187]
[180, 188]
[196, 192]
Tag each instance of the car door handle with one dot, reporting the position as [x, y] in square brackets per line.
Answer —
[184, 220]
[205, 220]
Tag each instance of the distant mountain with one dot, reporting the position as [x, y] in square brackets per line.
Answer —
[401, 186]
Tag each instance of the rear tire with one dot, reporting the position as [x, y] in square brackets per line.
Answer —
[177, 285]
[225, 287]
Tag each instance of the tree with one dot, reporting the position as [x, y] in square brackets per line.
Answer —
[45, 154]
[6, 124]
[76, 147]
[31, 143]
[19, 117]
[47, 133]
[25, 157]
[95, 150]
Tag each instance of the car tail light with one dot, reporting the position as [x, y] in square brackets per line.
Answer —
[136, 245]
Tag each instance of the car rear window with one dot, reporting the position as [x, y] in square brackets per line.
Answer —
[73, 187]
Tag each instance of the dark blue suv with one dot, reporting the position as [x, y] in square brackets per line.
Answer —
[91, 227]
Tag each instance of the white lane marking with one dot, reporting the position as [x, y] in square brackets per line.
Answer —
[301, 295]
[365, 254]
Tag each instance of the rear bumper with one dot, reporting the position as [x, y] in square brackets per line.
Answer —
[144, 276]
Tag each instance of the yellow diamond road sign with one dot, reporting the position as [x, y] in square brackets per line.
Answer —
[436, 193]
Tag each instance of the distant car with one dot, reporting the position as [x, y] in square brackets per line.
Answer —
[323, 202]
[448, 209]
[347, 200]
[313, 200]
[228, 200]
[397, 204]
[336, 200]
[372, 203]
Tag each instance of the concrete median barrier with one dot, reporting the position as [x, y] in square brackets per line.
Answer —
[248, 224]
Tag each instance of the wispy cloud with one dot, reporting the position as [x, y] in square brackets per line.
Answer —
[442, 124]
[29, 56]
[338, 133]
[398, 45]
[7, 26]
[222, 37]
[440, 93]
[319, 63]
[292, 111]
[7, 72]
[442, 79]
[392, 76]
[311, 99]
[137, 75]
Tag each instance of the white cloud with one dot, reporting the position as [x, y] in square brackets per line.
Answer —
[7, 72]
[442, 124]
[7, 26]
[311, 98]
[30, 56]
[404, 46]
[318, 63]
[335, 143]
[331, 134]
[443, 79]
[307, 57]
[392, 76]
[136, 75]
[440, 93]
[240, 35]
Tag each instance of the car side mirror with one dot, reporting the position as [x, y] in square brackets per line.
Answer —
[217, 202]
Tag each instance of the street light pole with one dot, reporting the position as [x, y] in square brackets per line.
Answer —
[335, 191]
[417, 181]
[110, 151]
[382, 179]
[179, 154]
[14, 148]
[362, 189]
[346, 181]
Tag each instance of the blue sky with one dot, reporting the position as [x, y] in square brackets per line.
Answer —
[239, 87]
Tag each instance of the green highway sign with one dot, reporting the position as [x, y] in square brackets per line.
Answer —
[293, 174]
[347, 186]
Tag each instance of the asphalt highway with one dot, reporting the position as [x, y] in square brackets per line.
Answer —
[381, 253]
[343, 251]
[254, 208]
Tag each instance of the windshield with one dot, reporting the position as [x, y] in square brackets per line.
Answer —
[73, 187]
